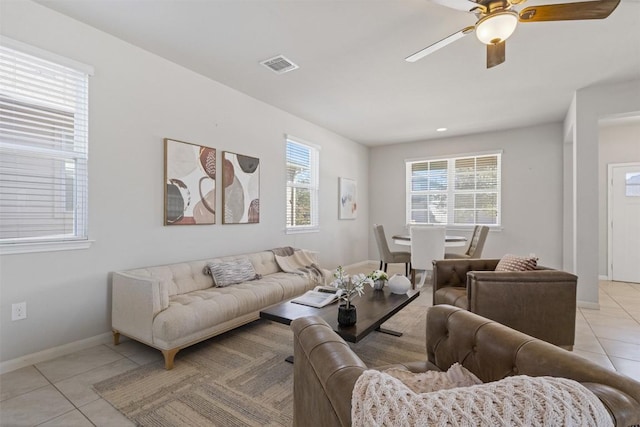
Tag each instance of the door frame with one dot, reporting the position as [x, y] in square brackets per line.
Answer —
[610, 168]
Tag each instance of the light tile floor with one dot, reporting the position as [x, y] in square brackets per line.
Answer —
[58, 392]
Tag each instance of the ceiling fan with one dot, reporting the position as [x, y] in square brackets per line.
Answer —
[497, 20]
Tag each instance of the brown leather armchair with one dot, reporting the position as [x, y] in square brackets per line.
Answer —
[540, 303]
[326, 369]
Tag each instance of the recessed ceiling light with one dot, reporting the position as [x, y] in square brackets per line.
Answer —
[441, 129]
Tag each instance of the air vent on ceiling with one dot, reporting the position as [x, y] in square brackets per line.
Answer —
[279, 64]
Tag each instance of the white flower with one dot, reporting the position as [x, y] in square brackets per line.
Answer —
[350, 285]
[378, 275]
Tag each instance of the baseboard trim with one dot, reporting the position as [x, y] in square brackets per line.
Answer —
[375, 262]
[52, 353]
[603, 277]
[359, 264]
[588, 305]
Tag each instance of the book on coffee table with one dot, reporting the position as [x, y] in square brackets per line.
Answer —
[319, 297]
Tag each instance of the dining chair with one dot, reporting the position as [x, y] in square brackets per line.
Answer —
[427, 244]
[475, 246]
[386, 255]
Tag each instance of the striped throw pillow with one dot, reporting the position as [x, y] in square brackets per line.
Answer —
[516, 263]
[231, 272]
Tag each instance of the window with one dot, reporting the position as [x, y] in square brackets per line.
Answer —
[302, 186]
[632, 185]
[454, 191]
[43, 148]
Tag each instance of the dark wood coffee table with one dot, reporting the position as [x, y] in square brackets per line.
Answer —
[373, 307]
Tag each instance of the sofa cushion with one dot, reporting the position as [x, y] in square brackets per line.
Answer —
[191, 313]
[184, 277]
[452, 295]
[227, 273]
[178, 278]
[516, 263]
[264, 262]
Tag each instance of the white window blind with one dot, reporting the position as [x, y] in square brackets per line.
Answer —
[43, 150]
[302, 186]
[429, 192]
[454, 191]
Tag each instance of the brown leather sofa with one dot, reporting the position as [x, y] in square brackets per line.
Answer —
[326, 369]
[540, 303]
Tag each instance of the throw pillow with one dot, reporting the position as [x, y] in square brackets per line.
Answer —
[231, 272]
[516, 263]
[426, 382]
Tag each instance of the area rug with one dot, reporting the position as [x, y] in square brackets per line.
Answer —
[240, 378]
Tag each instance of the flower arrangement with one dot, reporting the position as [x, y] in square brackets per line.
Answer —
[378, 275]
[378, 279]
[350, 285]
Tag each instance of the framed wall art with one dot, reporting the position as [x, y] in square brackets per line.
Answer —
[190, 183]
[348, 206]
[241, 188]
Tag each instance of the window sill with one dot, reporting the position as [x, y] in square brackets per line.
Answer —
[470, 227]
[25, 248]
[459, 227]
[301, 230]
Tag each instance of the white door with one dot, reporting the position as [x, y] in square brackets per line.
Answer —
[624, 222]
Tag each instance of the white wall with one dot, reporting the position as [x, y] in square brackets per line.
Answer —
[531, 188]
[589, 105]
[136, 100]
[567, 209]
[618, 144]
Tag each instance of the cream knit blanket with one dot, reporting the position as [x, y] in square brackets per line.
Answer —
[298, 261]
[381, 400]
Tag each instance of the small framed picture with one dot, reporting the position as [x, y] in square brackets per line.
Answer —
[347, 205]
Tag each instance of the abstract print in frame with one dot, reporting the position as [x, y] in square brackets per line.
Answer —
[348, 206]
[241, 184]
[190, 183]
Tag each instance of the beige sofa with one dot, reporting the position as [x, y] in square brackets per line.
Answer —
[326, 369]
[170, 307]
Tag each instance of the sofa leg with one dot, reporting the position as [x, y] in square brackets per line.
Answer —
[116, 337]
[169, 355]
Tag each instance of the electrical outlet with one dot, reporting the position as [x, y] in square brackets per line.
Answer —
[19, 311]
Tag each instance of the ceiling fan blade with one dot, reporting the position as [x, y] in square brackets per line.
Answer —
[569, 11]
[439, 45]
[495, 54]
[463, 5]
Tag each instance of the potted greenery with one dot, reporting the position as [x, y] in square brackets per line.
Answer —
[351, 286]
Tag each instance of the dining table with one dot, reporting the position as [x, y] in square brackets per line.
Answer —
[449, 241]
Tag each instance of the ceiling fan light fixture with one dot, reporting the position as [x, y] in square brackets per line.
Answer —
[497, 27]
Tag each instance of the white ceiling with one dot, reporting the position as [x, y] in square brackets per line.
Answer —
[353, 78]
